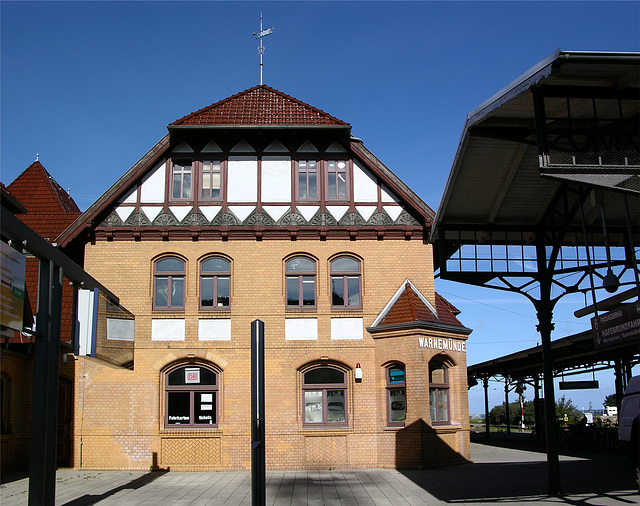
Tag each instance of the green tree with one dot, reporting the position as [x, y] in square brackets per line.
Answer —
[564, 407]
[610, 400]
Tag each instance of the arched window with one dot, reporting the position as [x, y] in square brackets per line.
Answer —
[324, 397]
[345, 282]
[396, 396]
[168, 283]
[439, 392]
[191, 396]
[215, 283]
[300, 273]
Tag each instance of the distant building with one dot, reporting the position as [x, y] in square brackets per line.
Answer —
[43, 205]
[261, 206]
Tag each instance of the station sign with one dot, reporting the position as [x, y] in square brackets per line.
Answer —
[617, 326]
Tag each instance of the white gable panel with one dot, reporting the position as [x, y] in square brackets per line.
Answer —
[218, 329]
[276, 179]
[242, 179]
[124, 212]
[180, 211]
[152, 188]
[346, 328]
[210, 212]
[387, 195]
[151, 212]
[241, 212]
[337, 211]
[366, 211]
[275, 147]
[131, 198]
[365, 188]
[276, 212]
[393, 211]
[307, 211]
[301, 329]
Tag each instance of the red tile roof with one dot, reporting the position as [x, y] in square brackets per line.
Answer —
[260, 105]
[50, 209]
[410, 308]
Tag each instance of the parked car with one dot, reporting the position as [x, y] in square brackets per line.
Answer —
[629, 423]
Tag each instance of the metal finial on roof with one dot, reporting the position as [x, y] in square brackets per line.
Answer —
[260, 35]
[37, 157]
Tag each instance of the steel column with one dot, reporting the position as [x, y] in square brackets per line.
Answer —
[258, 480]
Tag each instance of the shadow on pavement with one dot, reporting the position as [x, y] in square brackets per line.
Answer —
[142, 481]
[520, 479]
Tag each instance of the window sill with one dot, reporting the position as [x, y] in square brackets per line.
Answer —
[293, 309]
[327, 431]
[216, 310]
[393, 428]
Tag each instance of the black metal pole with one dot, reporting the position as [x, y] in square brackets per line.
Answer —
[258, 481]
[487, 428]
[506, 404]
[44, 418]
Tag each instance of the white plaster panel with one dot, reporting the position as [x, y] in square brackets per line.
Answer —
[393, 211]
[151, 212]
[301, 329]
[152, 188]
[214, 329]
[346, 328]
[307, 211]
[386, 195]
[183, 147]
[131, 197]
[124, 212]
[276, 179]
[365, 188]
[337, 211]
[180, 211]
[241, 212]
[119, 329]
[366, 211]
[307, 147]
[167, 329]
[242, 179]
[276, 212]
[210, 212]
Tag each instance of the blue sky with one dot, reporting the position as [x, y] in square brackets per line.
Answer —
[91, 86]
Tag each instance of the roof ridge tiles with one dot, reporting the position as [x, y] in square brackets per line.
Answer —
[249, 107]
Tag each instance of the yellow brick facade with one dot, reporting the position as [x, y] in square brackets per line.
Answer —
[120, 413]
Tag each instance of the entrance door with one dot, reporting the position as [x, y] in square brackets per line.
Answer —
[65, 410]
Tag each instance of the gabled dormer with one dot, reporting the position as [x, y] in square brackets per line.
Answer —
[259, 164]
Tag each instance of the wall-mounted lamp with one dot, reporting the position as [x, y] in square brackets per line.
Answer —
[358, 374]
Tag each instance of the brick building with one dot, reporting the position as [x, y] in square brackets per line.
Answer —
[263, 207]
[43, 205]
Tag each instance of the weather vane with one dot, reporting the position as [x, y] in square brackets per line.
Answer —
[260, 35]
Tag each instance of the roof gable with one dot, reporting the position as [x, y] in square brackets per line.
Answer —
[409, 308]
[50, 209]
[260, 105]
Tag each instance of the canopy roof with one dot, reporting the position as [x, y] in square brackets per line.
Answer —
[572, 119]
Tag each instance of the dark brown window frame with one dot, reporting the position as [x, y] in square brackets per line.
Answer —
[347, 180]
[200, 178]
[215, 275]
[392, 387]
[182, 162]
[345, 275]
[325, 388]
[301, 275]
[436, 388]
[192, 389]
[170, 275]
[318, 173]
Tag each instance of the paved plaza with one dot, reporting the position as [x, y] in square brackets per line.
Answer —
[498, 474]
